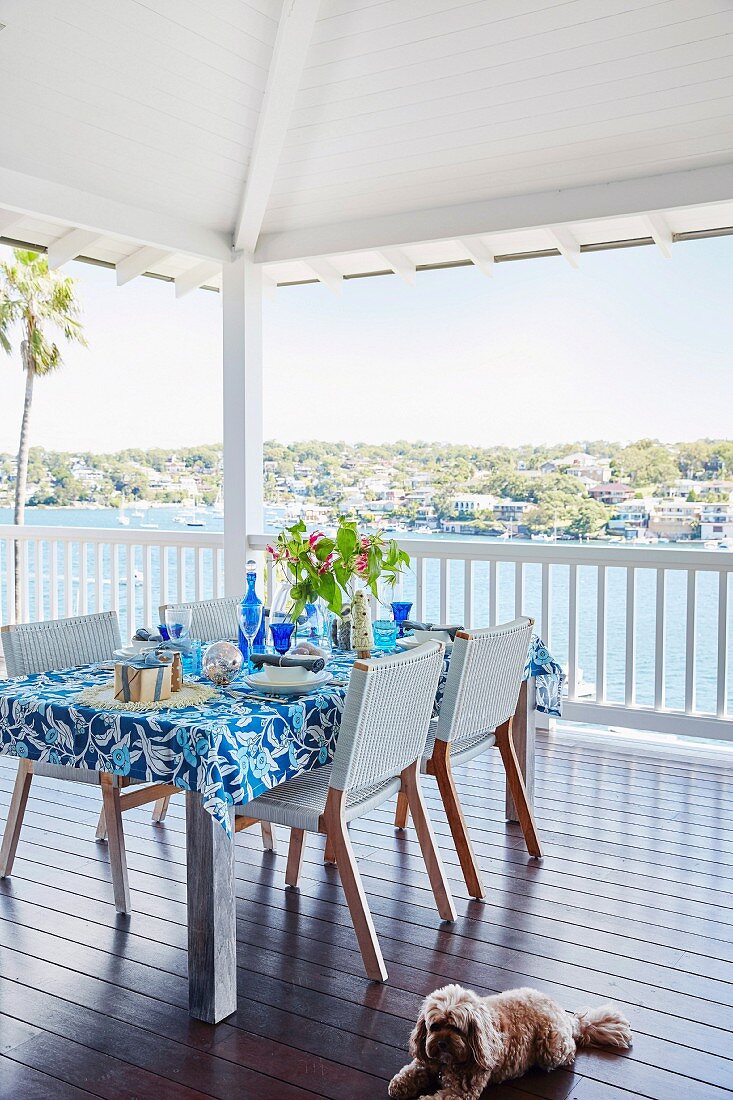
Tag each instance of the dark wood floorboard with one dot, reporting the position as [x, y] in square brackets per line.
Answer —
[633, 902]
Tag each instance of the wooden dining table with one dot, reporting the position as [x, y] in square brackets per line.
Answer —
[222, 754]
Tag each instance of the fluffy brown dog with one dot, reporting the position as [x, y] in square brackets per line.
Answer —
[462, 1042]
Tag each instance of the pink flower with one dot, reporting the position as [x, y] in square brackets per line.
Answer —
[315, 538]
[365, 542]
[271, 550]
[362, 563]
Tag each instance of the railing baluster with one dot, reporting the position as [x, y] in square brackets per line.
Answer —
[572, 631]
[163, 565]
[148, 584]
[546, 624]
[99, 576]
[518, 588]
[130, 590]
[180, 576]
[84, 578]
[68, 583]
[601, 593]
[659, 640]
[53, 553]
[25, 587]
[691, 642]
[444, 582]
[721, 706]
[38, 579]
[630, 663]
[493, 592]
[467, 592]
[10, 581]
[418, 564]
[114, 552]
[218, 572]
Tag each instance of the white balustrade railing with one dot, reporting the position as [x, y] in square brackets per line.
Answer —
[74, 570]
[642, 631]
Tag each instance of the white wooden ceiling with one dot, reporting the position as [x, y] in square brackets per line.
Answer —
[416, 131]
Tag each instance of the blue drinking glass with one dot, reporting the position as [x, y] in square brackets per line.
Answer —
[282, 634]
[401, 610]
[385, 634]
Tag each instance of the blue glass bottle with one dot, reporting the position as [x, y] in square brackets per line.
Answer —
[251, 615]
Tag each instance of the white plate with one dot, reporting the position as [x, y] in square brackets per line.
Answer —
[413, 643]
[295, 687]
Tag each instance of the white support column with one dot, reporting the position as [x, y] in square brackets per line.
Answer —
[242, 346]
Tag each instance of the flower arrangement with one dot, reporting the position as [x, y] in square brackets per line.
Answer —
[330, 568]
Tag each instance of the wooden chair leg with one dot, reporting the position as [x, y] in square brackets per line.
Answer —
[332, 823]
[116, 842]
[296, 849]
[329, 855]
[160, 809]
[101, 833]
[440, 767]
[402, 813]
[517, 788]
[16, 814]
[268, 837]
[436, 873]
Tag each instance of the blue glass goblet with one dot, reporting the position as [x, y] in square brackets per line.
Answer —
[282, 634]
[401, 610]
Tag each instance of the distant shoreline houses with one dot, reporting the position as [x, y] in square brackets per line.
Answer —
[422, 487]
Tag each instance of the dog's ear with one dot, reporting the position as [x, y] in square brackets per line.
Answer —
[417, 1039]
[482, 1038]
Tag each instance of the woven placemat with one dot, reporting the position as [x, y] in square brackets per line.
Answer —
[102, 697]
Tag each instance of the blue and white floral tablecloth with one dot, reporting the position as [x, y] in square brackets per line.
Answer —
[231, 749]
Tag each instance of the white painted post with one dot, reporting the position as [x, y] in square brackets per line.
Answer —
[242, 326]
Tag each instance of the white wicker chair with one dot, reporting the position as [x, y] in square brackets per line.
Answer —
[481, 692]
[211, 620]
[381, 740]
[59, 644]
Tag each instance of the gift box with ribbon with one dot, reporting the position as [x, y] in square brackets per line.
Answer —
[144, 679]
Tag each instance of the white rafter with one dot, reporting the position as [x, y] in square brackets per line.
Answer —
[8, 218]
[479, 253]
[70, 246]
[660, 233]
[196, 277]
[400, 263]
[327, 274]
[297, 20]
[138, 263]
[566, 244]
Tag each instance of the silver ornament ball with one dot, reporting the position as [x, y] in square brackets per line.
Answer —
[222, 661]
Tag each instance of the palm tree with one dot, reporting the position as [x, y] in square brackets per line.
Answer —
[40, 305]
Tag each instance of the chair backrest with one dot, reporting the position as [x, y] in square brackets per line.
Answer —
[386, 716]
[60, 643]
[484, 678]
[211, 620]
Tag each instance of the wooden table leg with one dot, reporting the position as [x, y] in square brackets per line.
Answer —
[524, 742]
[212, 923]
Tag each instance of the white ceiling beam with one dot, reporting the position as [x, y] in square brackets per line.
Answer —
[479, 253]
[70, 246]
[36, 197]
[660, 233]
[138, 263]
[558, 207]
[400, 263]
[327, 274]
[196, 277]
[566, 244]
[294, 32]
[8, 218]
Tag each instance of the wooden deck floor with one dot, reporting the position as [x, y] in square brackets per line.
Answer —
[634, 901]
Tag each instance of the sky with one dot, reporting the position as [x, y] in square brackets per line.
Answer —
[629, 345]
